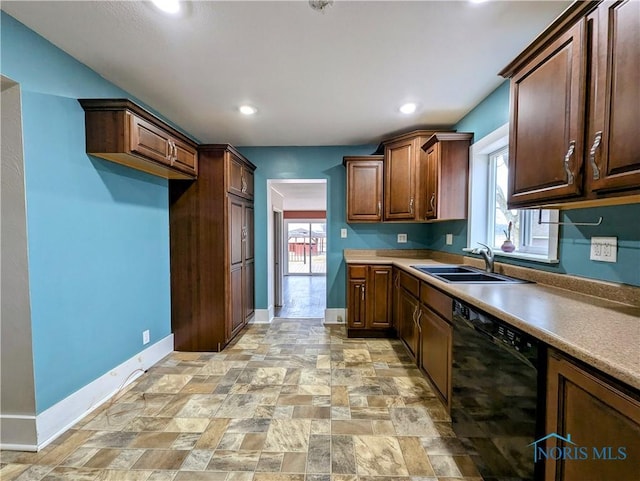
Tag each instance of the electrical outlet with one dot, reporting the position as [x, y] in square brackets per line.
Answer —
[145, 337]
[604, 249]
[402, 238]
[449, 239]
[343, 233]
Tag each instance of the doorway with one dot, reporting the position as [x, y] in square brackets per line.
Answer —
[299, 238]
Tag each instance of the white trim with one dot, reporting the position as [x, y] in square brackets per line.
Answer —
[61, 416]
[262, 316]
[335, 316]
[479, 169]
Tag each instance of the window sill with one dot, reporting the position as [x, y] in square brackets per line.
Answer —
[520, 255]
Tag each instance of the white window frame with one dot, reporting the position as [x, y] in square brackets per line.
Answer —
[481, 183]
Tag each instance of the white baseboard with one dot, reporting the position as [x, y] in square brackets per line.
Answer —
[263, 316]
[335, 316]
[61, 416]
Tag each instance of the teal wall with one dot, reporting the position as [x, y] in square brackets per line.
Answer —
[574, 247]
[321, 163]
[98, 238]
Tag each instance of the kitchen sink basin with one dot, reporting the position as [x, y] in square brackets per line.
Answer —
[466, 275]
[444, 269]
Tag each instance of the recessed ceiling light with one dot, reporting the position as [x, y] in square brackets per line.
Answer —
[478, 1]
[408, 108]
[167, 6]
[247, 109]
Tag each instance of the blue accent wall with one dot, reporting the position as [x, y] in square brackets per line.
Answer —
[574, 246]
[98, 235]
[321, 163]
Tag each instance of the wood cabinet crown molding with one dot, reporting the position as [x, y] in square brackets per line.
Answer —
[121, 131]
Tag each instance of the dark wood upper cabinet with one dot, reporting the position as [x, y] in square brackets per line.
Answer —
[575, 93]
[239, 177]
[613, 140]
[445, 167]
[403, 177]
[121, 131]
[547, 122]
[364, 188]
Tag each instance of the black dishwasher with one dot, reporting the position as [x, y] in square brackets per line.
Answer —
[497, 385]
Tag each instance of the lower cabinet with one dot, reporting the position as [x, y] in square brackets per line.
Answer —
[369, 299]
[408, 332]
[436, 346]
[594, 420]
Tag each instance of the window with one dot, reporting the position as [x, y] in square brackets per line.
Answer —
[489, 218]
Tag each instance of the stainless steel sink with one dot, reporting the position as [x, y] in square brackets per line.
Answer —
[456, 274]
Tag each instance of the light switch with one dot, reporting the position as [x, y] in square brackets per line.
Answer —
[604, 249]
[343, 233]
[402, 238]
[449, 239]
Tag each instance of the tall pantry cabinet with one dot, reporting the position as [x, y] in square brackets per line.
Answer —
[212, 250]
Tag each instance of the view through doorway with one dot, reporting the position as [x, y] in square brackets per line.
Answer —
[300, 248]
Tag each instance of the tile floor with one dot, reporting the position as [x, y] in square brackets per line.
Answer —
[303, 296]
[290, 401]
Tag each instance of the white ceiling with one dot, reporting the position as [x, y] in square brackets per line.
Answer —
[331, 78]
[303, 194]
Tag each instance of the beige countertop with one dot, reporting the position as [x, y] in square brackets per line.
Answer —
[600, 332]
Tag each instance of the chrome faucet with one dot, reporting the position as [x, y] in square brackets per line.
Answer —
[487, 255]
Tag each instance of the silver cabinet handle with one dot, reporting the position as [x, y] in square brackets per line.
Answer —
[244, 185]
[170, 150]
[592, 154]
[415, 313]
[379, 208]
[411, 206]
[362, 290]
[572, 148]
[432, 201]
[418, 320]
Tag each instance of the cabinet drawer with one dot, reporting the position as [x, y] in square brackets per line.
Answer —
[436, 300]
[357, 272]
[410, 283]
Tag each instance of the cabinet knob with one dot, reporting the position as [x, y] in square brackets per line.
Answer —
[411, 206]
[567, 158]
[592, 154]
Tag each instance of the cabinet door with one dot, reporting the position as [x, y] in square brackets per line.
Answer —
[436, 348]
[236, 231]
[234, 175]
[248, 237]
[408, 312]
[249, 289]
[400, 179]
[356, 303]
[364, 191]
[185, 157]
[379, 297]
[547, 125]
[247, 183]
[595, 414]
[148, 140]
[614, 143]
[237, 315]
[432, 161]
